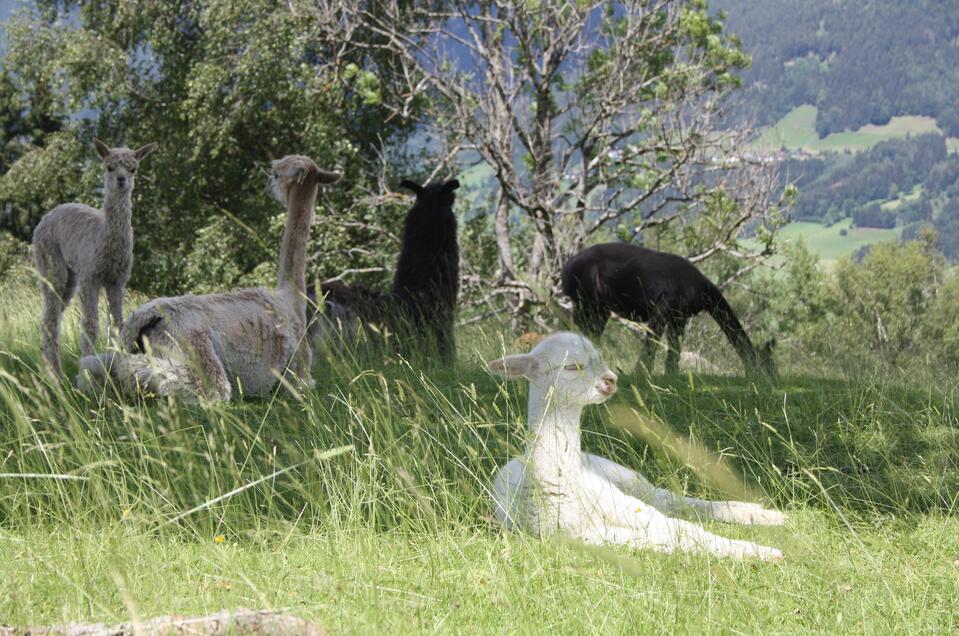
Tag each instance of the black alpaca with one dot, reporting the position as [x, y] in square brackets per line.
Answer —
[663, 290]
[420, 307]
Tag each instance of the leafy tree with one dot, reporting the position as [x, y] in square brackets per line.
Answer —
[884, 302]
[594, 117]
[222, 86]
[941, 329]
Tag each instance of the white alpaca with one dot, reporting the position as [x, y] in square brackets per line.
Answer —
[75, 245]
[556, 488]
[208, 346]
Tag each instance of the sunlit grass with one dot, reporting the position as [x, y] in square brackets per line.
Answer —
[796, 130]
[366, 504]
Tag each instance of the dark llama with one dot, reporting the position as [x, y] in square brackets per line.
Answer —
[663, 290]
[420, 306]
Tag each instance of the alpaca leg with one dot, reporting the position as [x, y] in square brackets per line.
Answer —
[91, 320]
[657, 531]
[674, 334]
[591, 318]
[53, 307]
[57, 286]
[743, 512]
[115, 299]
[444, 341]
[634, 484]
[651, 343]
[133, 374]
[663, 534]
[301, 364]
[676, 534]
[508, 492]
[207, 371]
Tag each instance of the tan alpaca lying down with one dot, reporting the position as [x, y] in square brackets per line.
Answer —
[555, 488]
[208, 346]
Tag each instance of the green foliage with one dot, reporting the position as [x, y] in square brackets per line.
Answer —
[882, 302]
[63, 169]
[798, 297]
[222, 86]
[13, 253]
[941, 327]
[895, 308]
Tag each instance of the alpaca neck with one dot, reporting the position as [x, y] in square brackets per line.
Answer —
[554, 450]
[726, 318]
[118, 230]
[300, 203]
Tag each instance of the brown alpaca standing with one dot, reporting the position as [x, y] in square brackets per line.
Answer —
[76, 246]
[208, 346]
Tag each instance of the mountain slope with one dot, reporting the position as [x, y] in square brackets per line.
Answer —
[858, 62]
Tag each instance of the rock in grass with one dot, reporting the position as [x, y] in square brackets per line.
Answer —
[239, 622]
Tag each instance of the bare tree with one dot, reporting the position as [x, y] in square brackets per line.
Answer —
[597, 119]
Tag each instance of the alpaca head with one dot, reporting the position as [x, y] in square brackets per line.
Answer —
[296, 172]
[121, 165]
[566, 362]
[436, 195]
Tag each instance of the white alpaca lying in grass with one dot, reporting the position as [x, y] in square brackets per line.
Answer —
[557, 488]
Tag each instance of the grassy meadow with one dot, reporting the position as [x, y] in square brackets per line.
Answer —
[829, 243]
[797, 131]
[364, 506]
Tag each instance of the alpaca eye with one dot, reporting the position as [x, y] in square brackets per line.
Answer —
[110, 168]
[133, 170]
[573, 367]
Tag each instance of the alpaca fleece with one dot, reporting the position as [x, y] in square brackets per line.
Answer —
[76, 246]
[663, 290]
[556, 488]
[420, 307]
[206, 347]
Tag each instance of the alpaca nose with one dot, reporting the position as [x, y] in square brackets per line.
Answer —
[121, 181]
[608, 381]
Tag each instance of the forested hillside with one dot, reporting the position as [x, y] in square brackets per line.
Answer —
[901, 182]
[857, 62]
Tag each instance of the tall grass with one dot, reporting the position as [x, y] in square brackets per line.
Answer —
[382, 474]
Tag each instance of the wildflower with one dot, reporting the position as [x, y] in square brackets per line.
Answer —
[219, 539]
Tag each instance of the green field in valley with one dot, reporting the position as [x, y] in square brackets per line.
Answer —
[797, 131]
[830, 244]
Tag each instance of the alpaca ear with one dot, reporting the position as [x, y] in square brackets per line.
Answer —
[327, 177]
[410, 185]
[102, 149]
[143, 151]
[451, 185]
[518, 365]
[296, 173]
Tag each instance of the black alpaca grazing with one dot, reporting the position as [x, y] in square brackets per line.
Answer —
[420, 307]
[663, 290]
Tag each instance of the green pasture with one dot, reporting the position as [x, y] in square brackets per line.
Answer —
[797, 131]
[364, 504]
